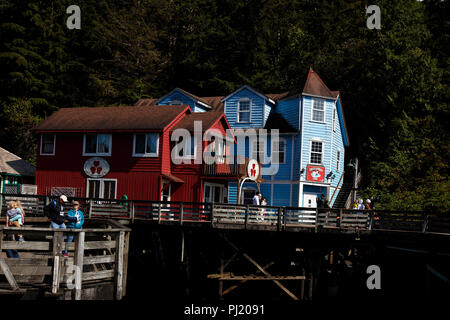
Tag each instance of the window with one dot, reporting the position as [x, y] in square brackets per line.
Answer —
[166, 190]
[189, 150]
[334, 119]
[176, 102]
[280, 149]
[97, 144]
[318, 110]
[258, 151]
[48, 144]
[244, 106]
[146, 145]
[316, 152]
[101, 188]
[338, 160]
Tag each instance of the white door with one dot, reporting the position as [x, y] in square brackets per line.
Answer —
[309, 200]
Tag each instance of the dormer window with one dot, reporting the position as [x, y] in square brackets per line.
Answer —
[244, 110]
[176, 102]
[318, 110]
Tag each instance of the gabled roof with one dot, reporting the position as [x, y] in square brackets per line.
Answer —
[112, 118]
[265, 97]
[12, 164]
[192, 96]
[208, 119]
[145, 102]
[316, 87]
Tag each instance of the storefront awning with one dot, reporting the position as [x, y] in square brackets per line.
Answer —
[172, 178]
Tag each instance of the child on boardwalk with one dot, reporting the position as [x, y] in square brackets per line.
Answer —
[15, 216]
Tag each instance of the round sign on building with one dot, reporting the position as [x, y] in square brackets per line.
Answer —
[96, 167]
[253, 169]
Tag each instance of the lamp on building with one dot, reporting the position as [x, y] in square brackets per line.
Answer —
[302, 171]
[330, 176]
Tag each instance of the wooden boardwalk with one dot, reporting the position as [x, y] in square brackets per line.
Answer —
[248, 217]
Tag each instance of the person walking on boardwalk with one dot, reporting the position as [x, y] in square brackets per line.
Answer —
[76, 220]
[257, 199]
[261, 213]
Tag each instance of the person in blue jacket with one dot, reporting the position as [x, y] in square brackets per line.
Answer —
[76, 219]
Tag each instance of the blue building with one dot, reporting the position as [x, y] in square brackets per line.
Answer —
[311, 145]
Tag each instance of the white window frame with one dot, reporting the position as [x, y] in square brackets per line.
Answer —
[334, 118]
[239, 110]
[54, 145]
[102, 186]
[193, 137]
[211, 186]
[310, 151]
[97, 153]
[285, 150]
[314, 100]
[338, 160]
[165, 181]
[148, 155]
[258, 151]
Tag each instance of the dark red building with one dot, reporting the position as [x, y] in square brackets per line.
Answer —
[106, 152]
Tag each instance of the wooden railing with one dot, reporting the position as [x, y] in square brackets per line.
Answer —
[223, 215]
[99, 253]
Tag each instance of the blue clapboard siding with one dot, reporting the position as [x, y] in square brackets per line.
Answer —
[257, 113]
[295, 190]
[289, 109]
[266, 190]
[338, 144]
[315, 130]
[268, 106]
[297, 148]
[281, 195]
[176, 95]
[232, 192]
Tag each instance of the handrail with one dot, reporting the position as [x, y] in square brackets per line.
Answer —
[337, 186]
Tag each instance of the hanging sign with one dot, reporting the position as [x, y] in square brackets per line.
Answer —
[96, 167]
[315, 173]
[253, 169]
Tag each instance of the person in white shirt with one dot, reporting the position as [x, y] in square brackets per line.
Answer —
[257, 199]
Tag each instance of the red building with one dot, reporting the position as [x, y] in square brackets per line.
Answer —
[106, 152]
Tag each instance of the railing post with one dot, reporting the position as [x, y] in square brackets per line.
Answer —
[120, 242]
[370, 220]
[181, 212]
[212, 212]
[317, 220]
[132, 211]
[425, 223]
[339, 218]
[279, 219]
[246, 216]
[159, 213]
[284, 218]
[90, 208]
[1, 204]
[78, 263]
[57, 251]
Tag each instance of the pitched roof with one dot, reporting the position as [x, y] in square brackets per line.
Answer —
[214, 103]
[12, 164]
[145, 102]
[315, 86]
[207, 119]
[262, 95]
[276, 121]
[111, 118]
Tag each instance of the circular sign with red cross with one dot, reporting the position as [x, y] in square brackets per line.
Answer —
[96, 167]
[253, 169]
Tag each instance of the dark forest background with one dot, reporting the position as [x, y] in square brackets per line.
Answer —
[393, 81]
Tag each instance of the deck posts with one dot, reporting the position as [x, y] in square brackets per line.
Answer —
[118, 277]
[90, 209]
[317, 220]
[78, 263]
[302, 286]
[1, 204]
[159, 213]
[57, 251]
[125, 263]
[132, 211]
[212, 212]
[425, 223]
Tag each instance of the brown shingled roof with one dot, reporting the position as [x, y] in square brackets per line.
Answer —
[315, 86]
[145, 102]
[111, 118]
[12, 164]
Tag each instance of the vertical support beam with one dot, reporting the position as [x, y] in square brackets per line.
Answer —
[212, 213]
[284, 220]
[181, 213]
[120, 241]
[317, 220]
[221, 281]
[302, 286]
[125, 263]
[310, 287]
[57, 251]
[339, 220]
[425, 223]
[78, 263]
[1, 204]
[182, 246]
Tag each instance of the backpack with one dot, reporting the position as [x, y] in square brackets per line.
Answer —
[49, 207]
